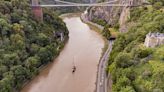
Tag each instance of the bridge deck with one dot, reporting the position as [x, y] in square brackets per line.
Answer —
[72, 4]
[67, 5]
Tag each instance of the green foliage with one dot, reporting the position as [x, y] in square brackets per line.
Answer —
[127, 89]
[134, 67]
[159, 53]
[141, 52]
[158, 5]
[32, 62]
[25, 43]
[106, 32]
[99, 21]
[123, 60]
[156, 1]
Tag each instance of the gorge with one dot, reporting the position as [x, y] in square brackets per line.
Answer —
[38, 51]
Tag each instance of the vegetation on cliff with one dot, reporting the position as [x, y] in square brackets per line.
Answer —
[25, 43]
[134, 67]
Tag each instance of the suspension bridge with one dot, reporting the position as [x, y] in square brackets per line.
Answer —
[60, 3]
[38, 13]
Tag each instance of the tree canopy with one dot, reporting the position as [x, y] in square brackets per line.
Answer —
[26, 43]
[133, 66]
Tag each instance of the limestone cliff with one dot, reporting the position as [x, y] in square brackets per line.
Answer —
[112, 15]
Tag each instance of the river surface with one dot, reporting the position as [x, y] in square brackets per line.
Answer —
[84, 49]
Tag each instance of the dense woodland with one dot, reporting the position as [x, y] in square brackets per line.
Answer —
[25, 43]
[134, 67]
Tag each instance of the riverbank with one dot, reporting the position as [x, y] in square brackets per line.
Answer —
[44, 66]
[83, 42]
[97, 28]
[103, 79]
[105, 51]
[94, 26]
[69, 15]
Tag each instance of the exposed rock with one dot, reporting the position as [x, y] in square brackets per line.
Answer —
[154, 39]
[125, 15]
[109, 14]
[113, 15]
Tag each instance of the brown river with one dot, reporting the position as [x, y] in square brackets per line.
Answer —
[83, 49]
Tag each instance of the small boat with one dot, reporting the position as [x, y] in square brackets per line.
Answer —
[74, 67]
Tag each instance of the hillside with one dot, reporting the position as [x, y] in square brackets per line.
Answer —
[133, 66]
[25, 43]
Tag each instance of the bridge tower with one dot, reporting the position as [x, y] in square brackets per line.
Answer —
[37, 10]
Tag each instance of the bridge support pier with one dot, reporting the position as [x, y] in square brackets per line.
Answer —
[37, 10]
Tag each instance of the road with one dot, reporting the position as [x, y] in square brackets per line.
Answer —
[101, 85]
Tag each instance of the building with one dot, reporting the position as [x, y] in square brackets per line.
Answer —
[154, 39]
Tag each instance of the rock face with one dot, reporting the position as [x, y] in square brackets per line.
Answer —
[125, 15]
[112, 15]
[109, 14]
[154, 39]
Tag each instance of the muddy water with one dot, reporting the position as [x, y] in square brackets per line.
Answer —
[83, 49]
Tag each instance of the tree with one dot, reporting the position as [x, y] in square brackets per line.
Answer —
[159, 53]
[106, 32]
[158, 5]
[42, 39]
[32, 62]
[20, 74]
[6, 84]
[141, 52]
[17, 27]
[127, 89]
[15, 18]
[123, 60]
[34, 48]
[44, 55]
[17, 41]
[4, 27]
[122, 82]
[3, 69]
[10, 59]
